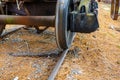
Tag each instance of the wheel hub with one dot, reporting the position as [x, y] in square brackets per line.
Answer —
[73, 16]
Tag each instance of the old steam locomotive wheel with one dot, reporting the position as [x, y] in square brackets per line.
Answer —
[64, 36]
[114, 9]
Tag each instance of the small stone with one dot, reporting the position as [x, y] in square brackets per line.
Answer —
[112, 27]
[76, 51]
[6, 39]
[37, 67]
[36, 76]
[38, 71]
[69, 77]
[17, 40]
[2, 69]
[76, 72]
[16, 78]
[28, 78]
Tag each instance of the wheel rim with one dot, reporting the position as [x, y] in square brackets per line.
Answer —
[64, 36]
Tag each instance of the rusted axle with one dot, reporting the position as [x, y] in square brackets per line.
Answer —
[28, 0]
[28, 20]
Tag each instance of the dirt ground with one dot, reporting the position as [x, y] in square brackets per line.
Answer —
[98, 57]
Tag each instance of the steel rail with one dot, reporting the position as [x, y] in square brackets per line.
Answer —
[58, 65]
[11, 31]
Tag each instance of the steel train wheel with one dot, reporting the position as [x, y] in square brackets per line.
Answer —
[114, 9]
[64, 36]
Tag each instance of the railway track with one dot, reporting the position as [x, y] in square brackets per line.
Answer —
[46, 54]
[12, 30]
[56, 52]
[58, 65]
[67, 16]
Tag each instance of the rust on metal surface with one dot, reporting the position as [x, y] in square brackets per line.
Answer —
[115, 4]
[99, 0]
[28, 20]
[114, 9]
[31, 0]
